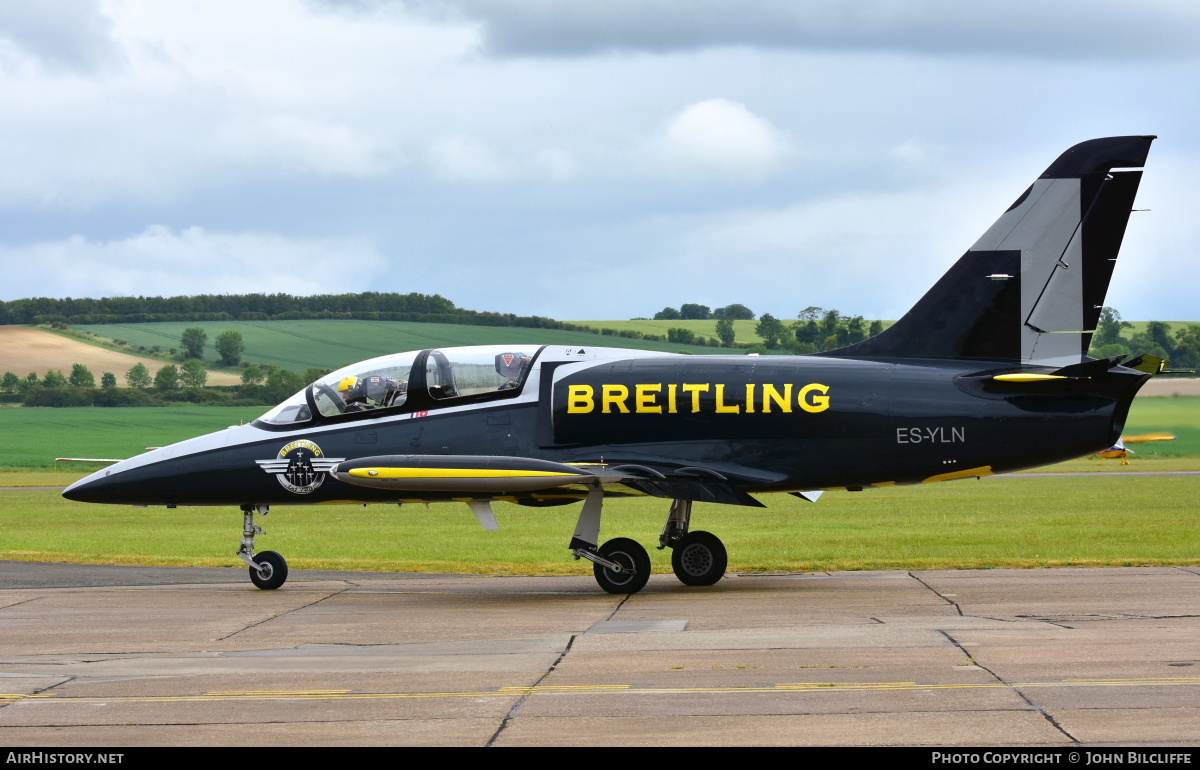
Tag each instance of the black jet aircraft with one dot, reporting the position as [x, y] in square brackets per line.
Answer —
[987, 373]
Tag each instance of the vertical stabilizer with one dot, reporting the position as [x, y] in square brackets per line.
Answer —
[1031, 288]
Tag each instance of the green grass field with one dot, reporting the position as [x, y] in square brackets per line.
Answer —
[33, 437]
[1119, 519]
[1114, 516]
[1179, 415]
[745, 335]
[297, 345]
[743, 331]
[1140, 326]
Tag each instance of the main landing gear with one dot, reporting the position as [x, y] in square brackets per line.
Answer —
[698, 558]
[268, 570]
[622, 566]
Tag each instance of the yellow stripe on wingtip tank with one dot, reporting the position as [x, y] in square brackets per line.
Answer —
[1028, 377]
[447, 473]
[986, 470]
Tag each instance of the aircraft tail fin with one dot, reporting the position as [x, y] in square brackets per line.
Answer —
[1031, 289]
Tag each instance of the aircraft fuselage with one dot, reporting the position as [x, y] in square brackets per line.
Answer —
[765, 423]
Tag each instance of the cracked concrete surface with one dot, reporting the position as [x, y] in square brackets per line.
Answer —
[1064, 658]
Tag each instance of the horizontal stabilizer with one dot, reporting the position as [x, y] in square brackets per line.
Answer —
[1147, 363]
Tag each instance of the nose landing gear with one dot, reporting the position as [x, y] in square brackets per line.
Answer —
[268, 570]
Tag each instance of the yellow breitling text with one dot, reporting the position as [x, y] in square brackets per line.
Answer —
[692, 397]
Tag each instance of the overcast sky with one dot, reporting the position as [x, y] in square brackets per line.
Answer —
[582, 159]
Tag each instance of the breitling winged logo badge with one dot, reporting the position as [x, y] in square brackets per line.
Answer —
[301, 466]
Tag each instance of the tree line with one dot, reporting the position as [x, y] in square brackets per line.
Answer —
[372, 306]
[1182, 348]
[691, 311]
[262, 385]
[815, 330]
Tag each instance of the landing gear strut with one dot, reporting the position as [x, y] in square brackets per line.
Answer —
[268, 570]
[621, 565]
[698, 558]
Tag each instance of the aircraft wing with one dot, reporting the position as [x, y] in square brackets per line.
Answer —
[487, 474]
[490, 474]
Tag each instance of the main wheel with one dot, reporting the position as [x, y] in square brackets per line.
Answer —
[699, 559]
[272, 570]
[635, 566]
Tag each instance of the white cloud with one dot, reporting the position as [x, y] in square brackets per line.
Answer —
[320, 119]
[557, 163]
[311, 145]
[461, 158]
[1086, 29]
[163, 262]
[721, 138]
[58, 36]
[911, 152]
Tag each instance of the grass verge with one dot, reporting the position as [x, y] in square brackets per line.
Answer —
[1120, 519]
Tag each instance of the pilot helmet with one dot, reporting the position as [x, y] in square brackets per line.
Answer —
[349, 388]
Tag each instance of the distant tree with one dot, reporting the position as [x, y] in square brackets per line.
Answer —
[1156, 340]
[282, 383]
[314, 373]
[694, 312]
[1109, 328]
[771, 329]
[167, 378]
[10, 382]
[725, 332]
[807, 332]
[876, 329]
[1187, 351]
[684, 336]
[138, 376]
[230, 347]
[855, 332]
[252, 375]
[667, 314]
[193, 374]
[193, 341]
[829, 324]
[81, 377]
[1160, 332]
[54, 379]
[736, 311]
[108, 380]
[810, 313]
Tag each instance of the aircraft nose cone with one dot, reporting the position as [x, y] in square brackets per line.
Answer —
[90, 489]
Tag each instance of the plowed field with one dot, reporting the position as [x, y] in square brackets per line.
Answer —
[24, 350]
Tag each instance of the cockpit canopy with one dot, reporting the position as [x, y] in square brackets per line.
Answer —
[410, 381]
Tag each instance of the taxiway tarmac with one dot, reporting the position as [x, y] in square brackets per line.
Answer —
[112, 656]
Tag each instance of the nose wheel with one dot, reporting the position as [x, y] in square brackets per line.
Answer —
[268, 570]
[632, 562]
[271, 570]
